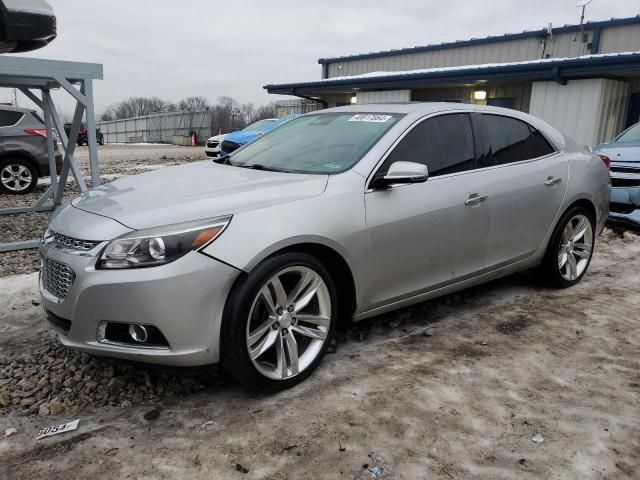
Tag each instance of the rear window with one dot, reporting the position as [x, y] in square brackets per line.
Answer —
[9, 118]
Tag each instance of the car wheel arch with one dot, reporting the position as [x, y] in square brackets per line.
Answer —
[339, 268]
[21, 156]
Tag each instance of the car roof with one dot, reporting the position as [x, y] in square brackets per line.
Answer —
[8, 108]
[415, 107]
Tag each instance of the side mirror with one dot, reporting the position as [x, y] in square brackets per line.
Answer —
[402, 173]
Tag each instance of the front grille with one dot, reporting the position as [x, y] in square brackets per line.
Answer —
[213, 144]
[60, 240]
[57, 278]
[229, 147]
[58, 322]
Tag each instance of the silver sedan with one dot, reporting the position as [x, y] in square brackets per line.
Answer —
[253, 260]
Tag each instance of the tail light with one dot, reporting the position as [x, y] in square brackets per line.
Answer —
[37, 131]
[606, 160]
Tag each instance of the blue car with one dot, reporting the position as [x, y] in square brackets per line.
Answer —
[235, 140]
[624, 155]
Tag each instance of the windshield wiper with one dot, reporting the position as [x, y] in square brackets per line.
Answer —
[223, 160]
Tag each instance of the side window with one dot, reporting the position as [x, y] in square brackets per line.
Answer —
[541, 146]
[444, 144]
[509, 140]
[8, 118]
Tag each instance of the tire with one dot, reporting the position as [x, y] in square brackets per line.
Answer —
[17, 176]
[566, 262]
[247, 310]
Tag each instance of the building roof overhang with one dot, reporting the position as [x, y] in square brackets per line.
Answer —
[613, 65]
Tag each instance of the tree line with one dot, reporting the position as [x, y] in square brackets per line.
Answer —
[226, 111]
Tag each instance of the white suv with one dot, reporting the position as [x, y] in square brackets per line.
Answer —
[212, 149]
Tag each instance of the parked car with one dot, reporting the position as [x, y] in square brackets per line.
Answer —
[25, 25]
[235, 140]
[339, 214]
[624, 155]
[23, 150]
[83, 138]
[212, 148]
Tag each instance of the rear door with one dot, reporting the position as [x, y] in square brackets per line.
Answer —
[529, 184]
[427, 235]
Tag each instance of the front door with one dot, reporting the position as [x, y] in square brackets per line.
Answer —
[427, 235]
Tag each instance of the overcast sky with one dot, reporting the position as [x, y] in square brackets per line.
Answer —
[174, 49]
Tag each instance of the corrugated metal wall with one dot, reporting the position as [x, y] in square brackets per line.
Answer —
[589, 111]
[384, 96]
[158, 128]
[613, 39]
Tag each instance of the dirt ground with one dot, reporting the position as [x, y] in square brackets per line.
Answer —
[455, 388]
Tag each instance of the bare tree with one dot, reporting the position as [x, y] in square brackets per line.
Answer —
[135, 107]
[192, 104]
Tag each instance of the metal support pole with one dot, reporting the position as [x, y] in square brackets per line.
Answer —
[50, 149]
[69, 159]
[69, 145]
[87, 89]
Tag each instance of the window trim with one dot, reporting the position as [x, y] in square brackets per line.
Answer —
[409, 129]
[374, 171]
[530, 127]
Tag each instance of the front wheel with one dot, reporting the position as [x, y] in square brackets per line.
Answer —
[278, 322]
[570, 249]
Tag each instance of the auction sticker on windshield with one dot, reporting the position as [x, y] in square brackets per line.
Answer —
[370, 117]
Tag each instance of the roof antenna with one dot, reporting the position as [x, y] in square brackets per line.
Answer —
[582, 4]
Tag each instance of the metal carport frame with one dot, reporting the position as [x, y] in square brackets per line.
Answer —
[30, 75]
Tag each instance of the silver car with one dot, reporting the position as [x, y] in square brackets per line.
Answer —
[253, 260]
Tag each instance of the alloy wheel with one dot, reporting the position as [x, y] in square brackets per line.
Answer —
[288, 322]
[575, 248]
[16, 177]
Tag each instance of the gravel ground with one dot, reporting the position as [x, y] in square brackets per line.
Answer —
[115, 161]
[507, 380]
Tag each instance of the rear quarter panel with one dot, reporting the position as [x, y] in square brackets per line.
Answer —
[588, 180]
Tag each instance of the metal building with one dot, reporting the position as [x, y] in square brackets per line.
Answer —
[583, 79]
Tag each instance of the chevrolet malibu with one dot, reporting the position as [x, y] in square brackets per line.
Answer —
[342, 214]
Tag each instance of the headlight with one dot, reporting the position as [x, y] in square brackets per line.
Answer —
[160, 245]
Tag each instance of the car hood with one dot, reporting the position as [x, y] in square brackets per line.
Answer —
[243, 137]
[193, 192]
[620, 152]
[217, 138]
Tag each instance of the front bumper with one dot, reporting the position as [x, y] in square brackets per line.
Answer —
[183, 299]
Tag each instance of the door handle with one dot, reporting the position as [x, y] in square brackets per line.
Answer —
[551, 181]
[475, 199]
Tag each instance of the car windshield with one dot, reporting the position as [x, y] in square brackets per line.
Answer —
[259, 125]
[322, 143]
[631, 135]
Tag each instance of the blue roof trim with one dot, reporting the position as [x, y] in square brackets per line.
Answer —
[614, 22]
[556, 70]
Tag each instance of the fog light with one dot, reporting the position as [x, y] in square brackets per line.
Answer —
[138, 333]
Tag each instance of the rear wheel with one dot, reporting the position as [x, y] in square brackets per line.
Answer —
[17, 176]
[570, 249]
[278, 322]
